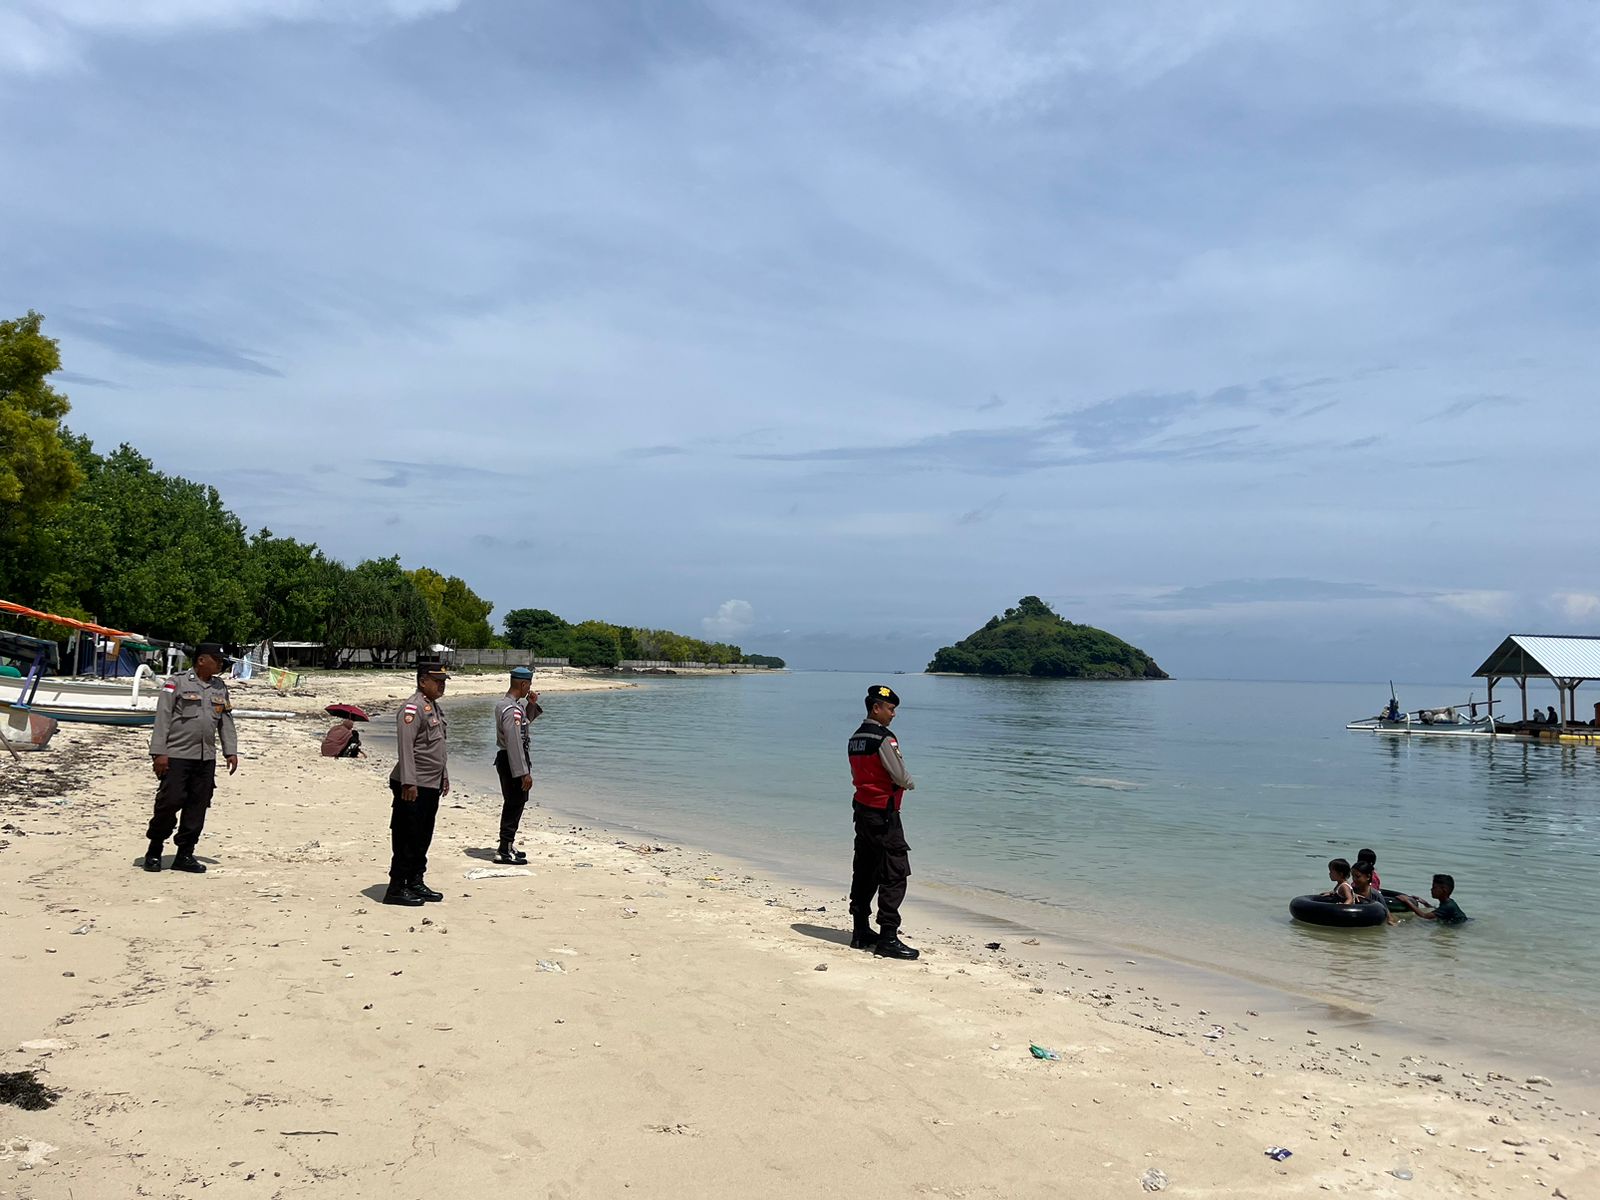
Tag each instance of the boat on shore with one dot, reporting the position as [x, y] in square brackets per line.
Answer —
[37, 690]
[86, 701]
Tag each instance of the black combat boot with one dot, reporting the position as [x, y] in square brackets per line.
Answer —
[152, 857]
[865, 937]
[890, 946]
[185, 861]
[506, 854]
[419, 887]
[401, 893]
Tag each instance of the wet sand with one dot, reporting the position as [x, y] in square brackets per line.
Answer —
[634, 1020]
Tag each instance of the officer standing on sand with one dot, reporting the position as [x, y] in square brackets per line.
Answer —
[882, 858]
[513, 713]
[192, 710]
[418, 780]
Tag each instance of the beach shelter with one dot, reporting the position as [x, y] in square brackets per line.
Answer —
[1565, 660]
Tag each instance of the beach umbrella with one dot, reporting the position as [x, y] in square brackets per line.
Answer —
[353, 711]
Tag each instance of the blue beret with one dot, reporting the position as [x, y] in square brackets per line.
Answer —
[522, 672]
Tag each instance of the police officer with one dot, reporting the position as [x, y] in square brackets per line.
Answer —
[191, 712]
[882, 858]
[513, 713]
[417, 782]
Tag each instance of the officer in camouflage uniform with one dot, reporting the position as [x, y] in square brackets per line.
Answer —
[417, 782]
[192, 712]
[513, 713]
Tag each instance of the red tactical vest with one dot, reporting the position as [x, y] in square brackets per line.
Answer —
[874, 787]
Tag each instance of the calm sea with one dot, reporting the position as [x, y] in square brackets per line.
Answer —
[1178, 817]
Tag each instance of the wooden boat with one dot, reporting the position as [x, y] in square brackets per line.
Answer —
[1448, 721]
[1440, 723]
[126, 701]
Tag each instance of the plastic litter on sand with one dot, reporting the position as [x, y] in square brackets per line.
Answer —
[497, 872]
[1153, 1180]
[1041, 1052]
[1278, 1153]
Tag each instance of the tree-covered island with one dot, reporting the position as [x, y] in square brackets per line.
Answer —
[1031, 639]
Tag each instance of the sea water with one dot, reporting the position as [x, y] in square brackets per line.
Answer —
[1178, 817]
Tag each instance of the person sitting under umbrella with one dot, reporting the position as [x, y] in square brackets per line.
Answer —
[343, 741]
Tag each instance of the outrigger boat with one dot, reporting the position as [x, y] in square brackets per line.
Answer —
[38, 691]
[1449, 721]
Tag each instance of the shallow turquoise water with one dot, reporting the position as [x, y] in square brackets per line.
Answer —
[1178, 816]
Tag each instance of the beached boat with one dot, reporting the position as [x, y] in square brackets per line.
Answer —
[96, 702]
[130, 700]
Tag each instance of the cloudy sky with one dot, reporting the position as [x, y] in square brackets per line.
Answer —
[1263, 334]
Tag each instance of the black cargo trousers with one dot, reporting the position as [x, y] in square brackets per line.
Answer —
[186, 788]
[882, 864]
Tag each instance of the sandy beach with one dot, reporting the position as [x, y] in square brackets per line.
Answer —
[632, 1019]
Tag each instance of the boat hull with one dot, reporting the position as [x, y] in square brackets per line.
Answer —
[1483, 728]
[84, 701]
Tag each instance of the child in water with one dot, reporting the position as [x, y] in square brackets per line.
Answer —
[1361, 881]
[1370, 857]
[1447, 912]
[1339, 873]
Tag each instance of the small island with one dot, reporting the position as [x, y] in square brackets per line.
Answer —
[1031, 639]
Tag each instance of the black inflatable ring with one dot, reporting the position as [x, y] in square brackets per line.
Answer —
[1314, 910]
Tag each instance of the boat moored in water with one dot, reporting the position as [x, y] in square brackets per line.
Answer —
[1451, 720]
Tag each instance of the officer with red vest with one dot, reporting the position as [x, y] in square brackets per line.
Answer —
[882, 858]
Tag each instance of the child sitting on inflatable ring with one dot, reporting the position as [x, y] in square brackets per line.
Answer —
[1370, 857]
[1365, 893]
[1448, 911]
[1339, 873]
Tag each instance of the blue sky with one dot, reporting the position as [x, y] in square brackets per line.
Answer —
[1262, 334]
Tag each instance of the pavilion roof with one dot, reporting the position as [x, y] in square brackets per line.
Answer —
[1542, 656]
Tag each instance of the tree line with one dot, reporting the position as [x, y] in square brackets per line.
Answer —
[109, 538]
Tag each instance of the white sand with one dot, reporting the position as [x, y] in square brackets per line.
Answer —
[620, 1022]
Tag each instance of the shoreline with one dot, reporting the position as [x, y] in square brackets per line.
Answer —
[204, 1029]
[967, 916]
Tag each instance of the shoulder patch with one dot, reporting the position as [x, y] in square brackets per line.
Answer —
[170, 685]
[409, 717]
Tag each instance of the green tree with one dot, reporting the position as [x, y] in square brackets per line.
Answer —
[38, 469]
[538, 631]
[292, 585]
[595, 644]
[460, 614]
[143, 550]
[378, 607]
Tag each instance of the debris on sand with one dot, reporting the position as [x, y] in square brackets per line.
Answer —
[23, 1089]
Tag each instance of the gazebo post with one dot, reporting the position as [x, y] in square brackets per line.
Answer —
[1522, 683]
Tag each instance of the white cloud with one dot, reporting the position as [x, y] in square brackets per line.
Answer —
[1577, 606]
[732, 618]
[1483, 604]
[44, 35]
[1016, 52]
